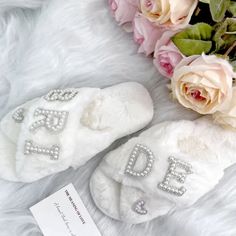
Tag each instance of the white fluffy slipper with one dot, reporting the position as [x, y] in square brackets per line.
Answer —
[170, 165]
[68, 127]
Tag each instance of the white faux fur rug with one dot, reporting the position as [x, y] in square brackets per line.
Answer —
[47, 44]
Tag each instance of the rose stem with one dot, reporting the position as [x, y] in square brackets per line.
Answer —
[230, 49]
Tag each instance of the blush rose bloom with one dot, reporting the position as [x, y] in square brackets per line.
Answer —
[166, 56]
[123, 10]
[169, 12]
[145, 34]
[203, 83]
[227, 118]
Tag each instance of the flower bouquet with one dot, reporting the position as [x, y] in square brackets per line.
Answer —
[193, 43]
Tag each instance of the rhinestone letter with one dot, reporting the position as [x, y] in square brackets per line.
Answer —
[18, 115]
[139, 208]
[62, 95]
[53, 120]
[31, 148]
[178, 176]
[138, 149]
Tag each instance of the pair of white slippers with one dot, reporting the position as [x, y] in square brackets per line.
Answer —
[169, 165]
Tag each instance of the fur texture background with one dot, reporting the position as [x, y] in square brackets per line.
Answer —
[47, 44]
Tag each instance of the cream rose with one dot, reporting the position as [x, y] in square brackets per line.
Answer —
[169, 12]
[227, 117]
[203, 83]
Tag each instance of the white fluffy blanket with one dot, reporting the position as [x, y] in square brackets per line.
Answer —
[48, 44]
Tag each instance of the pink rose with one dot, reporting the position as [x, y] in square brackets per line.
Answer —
[167, 56]
[146, 34]
[123, 10]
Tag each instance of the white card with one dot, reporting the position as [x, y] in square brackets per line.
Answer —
[64, 214]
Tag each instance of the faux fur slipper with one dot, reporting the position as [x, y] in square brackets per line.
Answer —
[170, 165]
[68, 127]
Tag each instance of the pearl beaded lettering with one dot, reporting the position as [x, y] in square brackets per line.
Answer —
[172, 173]
[179, 176]
[31, 148]
[62, 95]
[138, 149]
[53, 120]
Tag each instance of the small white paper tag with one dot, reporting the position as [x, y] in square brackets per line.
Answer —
[64, 214]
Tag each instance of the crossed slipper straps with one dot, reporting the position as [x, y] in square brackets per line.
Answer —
[66, 128]
[170, 165]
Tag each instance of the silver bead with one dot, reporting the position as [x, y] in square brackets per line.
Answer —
[139, 208]
[18, 115]
[178, 176]
[53, 120]
[62, 95]
[135, 154]
[31, 148]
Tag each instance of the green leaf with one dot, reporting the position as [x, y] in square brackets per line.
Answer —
[194, 40]
[205, 1]
[232, 8]
[218, 9]
[225, 34]
[193, 47]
